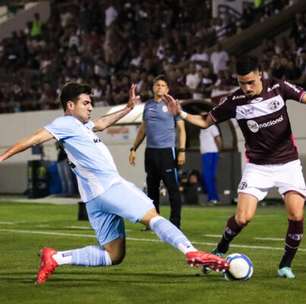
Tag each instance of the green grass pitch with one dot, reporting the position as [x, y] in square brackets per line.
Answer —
[152, 272]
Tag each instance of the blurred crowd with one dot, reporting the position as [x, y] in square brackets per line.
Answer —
[109, 44]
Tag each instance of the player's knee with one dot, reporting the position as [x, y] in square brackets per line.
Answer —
[243, 219]
[117, 258]
[148, 216]
[299, 216]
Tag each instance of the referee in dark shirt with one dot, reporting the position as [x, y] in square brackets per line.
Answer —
[160, 156]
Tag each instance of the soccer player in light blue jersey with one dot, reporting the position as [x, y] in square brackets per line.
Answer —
[109, 198]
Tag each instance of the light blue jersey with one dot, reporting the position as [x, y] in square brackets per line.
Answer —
[91, 160]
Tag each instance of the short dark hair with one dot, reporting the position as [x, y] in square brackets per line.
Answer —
[247, 64]
[71, 92]
[160, 77]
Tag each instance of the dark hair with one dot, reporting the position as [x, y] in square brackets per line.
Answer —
[160, 77]
[71, 92]
[247, 64]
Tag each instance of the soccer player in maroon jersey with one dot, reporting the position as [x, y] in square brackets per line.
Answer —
[259, 106]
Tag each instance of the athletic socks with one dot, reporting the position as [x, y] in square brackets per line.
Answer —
[292, 242]
[231, 230]
[87, 256]
[170, 234]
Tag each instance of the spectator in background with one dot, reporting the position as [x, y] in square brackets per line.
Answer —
[111, 14]
[207, 82]
[192, 80]
[190, 187]
[210, 145]
[36, 28]
[219, 59]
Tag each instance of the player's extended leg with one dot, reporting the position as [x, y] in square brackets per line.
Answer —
[170, 234]
[245, 211]
[294, 203]
[109, 229]
[112, 254]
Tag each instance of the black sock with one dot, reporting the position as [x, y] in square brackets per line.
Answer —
[231, 230]
[292, 242]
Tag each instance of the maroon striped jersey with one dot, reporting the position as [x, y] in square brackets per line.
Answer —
[264, 121]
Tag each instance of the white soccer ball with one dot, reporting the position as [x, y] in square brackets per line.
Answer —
[240, 267]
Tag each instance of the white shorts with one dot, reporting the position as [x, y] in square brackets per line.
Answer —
[258, 179]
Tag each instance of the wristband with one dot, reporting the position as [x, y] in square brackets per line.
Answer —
[181, 150]
[183, 114]
[133, 149]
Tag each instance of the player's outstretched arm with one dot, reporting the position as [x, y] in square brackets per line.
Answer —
[107, 120]
[39, 137]
[203, 121]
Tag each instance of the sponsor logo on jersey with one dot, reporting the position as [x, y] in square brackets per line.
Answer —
[292, 86]
[273, 87]
[238, 97]
[256, 100]
[274, 105]
[97, 140]
[254, 126]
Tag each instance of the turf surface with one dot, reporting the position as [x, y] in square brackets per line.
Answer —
[152, 271]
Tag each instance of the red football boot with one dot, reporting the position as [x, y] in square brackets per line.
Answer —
[47, 265]
[200, 258]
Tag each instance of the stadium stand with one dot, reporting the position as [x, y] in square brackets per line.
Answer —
[109, 44]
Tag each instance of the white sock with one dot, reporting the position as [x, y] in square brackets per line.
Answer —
[63, 257]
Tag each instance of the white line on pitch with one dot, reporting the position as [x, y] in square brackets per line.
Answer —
[268, 239]
[255, 238]
[137, 239]
[213, 235]
[78, 227]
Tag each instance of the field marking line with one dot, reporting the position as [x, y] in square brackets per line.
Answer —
[254, 238]
[268, 239]
[138, 239]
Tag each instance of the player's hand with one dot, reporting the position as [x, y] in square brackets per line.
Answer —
[181, 158]
[173, 105]
[133, 99]
[132, 158]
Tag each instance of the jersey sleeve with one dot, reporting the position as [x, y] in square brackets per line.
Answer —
[62, 128]
[225, 110]
[291, 91]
